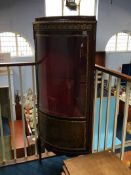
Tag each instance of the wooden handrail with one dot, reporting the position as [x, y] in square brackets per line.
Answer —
[100, 68]
[10, 64]
[113, 72]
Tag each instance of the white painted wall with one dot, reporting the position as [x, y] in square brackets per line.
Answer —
[116, 59]
[112, 18]
[18, 16]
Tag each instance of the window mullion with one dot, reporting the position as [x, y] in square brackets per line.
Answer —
[15, 44]
[116, 42]
[16, 39]
[0, 45]
[127, 43]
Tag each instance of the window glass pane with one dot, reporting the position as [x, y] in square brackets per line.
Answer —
[129, 43]
[24, 48]
[7, 34]
[122, 41]
[111, 44]
[14, 44]
[8, 43]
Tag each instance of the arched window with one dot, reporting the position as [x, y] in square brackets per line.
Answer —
[119, 42]
[15, 44]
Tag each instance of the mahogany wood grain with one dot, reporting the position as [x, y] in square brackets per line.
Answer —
[104, 163]
[121, 110]
[18, 134]
[12, 64]
[113, 72]
[100, 58]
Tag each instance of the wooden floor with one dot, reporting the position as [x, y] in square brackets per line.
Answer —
[127, 159]
[104, 163]
[19, 139]
[127, 156]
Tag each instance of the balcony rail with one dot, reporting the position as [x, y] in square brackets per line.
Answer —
[10, 151]
[107, 96]
[111, 89]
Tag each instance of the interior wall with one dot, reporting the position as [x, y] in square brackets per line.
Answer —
[112, 18]
[115, 60]
[18, 16]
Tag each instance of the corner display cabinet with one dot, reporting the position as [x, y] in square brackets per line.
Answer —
[65, 58]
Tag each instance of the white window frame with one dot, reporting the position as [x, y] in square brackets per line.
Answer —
[27, 48]
[125, 49]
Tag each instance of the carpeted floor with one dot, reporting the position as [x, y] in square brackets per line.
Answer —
[49, 166]
[6, 129]
[119, 133]
[119, 129]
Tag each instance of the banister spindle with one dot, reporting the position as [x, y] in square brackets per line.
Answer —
[2, 137]
[125, 119]
[12, 118]
[100, 113]
[94, 110]
[23, 116]
[116, 113]
[108, 111]
[34, 106]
